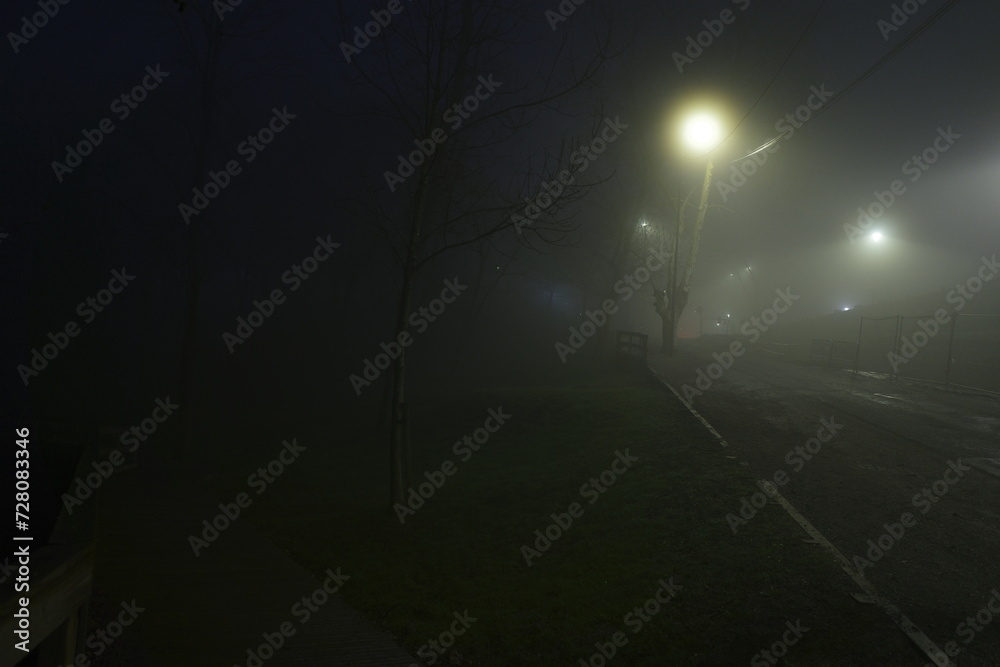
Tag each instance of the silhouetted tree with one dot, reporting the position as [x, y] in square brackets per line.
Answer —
[467, 184]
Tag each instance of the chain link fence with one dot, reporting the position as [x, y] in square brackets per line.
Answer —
[877, 337]
[975, 353]
[964, 351]
[840, 353]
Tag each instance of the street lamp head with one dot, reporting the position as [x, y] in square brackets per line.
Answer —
[702, 132]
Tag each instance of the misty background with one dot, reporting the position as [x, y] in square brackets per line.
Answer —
[787, 223]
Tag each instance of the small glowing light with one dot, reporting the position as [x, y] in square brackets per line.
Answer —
[876, 236]
[846, 308]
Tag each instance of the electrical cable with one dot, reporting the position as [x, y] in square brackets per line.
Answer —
[893, 52]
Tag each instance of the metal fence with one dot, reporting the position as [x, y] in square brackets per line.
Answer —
[833, 352]
[975, 353]
[632, 344]
[876, 340]
[962, 352]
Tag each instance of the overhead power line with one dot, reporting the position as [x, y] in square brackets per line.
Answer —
[892, 53]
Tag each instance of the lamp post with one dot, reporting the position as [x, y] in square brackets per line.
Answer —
[701, 133]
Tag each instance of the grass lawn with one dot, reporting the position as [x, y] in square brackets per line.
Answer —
[663, 518]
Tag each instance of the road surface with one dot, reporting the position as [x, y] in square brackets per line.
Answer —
[914, 469]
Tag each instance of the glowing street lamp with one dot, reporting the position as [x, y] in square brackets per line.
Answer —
[702, 132]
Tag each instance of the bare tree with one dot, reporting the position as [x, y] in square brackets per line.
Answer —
[208, 30]
[659, 221]
[464, 186]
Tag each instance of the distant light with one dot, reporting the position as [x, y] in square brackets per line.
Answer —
[876, 236]
[846, 308]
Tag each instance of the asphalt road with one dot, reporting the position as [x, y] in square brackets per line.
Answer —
[923, 460]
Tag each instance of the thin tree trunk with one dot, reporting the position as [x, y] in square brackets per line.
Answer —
[193, 285]
[188, 359]
[477, 309]
[399, 472]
